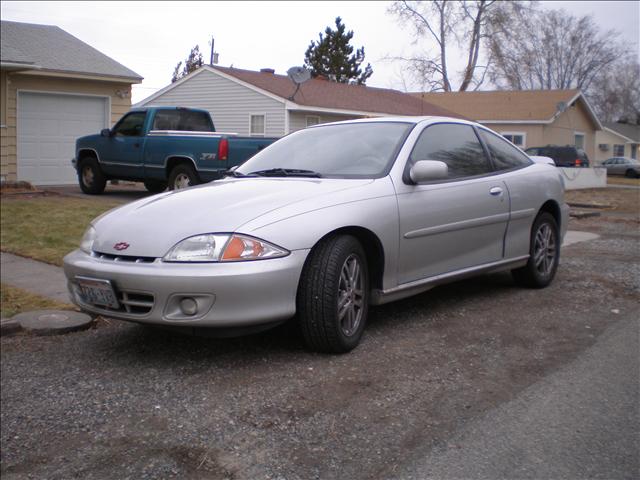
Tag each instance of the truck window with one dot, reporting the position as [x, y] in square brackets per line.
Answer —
[130, 125]
[182, 120]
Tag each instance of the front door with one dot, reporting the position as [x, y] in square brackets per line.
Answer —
[456, 223]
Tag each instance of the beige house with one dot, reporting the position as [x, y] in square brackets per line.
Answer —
[529, 118]
[617, 140]
[263, 103]
[54, 88]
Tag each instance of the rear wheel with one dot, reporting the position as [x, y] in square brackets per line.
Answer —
[333, 295]
[631, 174]
[155, 186]
[182, 176]
[90, 177]
[544, 254]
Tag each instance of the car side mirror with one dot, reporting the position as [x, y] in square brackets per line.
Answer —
[428, 170]
[105, 132]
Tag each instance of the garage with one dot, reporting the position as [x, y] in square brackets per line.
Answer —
[48, 126]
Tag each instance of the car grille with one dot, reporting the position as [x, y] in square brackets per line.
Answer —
[122, 258]
[132, 303]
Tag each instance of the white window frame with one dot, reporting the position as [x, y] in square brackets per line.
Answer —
[584, 138]
[308, 117]
[524, 138]
[264, 123]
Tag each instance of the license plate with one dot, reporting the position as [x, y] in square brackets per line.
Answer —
[97, 292]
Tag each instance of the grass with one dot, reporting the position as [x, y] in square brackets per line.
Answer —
[15, 300]
[611, 180]
[46, 228]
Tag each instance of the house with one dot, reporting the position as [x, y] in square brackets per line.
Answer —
[55, 88]
[528, 118]
[617, 140]
[267, 104]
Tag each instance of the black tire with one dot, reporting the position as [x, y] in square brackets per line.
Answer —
[182, 176]
[544, 254]
[630, 174]
[324, 285]
[155, 186]
[90, 177]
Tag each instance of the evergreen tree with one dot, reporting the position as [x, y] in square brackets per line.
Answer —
[192, 63]
[333, 57]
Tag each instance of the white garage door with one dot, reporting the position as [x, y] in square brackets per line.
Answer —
[48, 126]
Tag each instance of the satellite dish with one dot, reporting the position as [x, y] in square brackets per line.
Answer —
[298, 75]
[561, 106]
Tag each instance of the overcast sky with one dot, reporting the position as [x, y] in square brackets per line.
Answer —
[151, 37]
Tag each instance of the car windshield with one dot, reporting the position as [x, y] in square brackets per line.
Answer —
[351, 150]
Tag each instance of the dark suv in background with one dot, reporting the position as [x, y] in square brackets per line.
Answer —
[568, 156]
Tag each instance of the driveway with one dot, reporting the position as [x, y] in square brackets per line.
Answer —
[125, 401]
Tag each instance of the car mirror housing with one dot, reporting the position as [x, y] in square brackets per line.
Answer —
[428, 170]
[105, 132]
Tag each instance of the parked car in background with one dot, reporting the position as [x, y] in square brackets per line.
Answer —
[323, 223]
[622, 166]
[161, 146]
[567, 156]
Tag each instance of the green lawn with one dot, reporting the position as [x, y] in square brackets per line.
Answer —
[15, 300]
[47, 228]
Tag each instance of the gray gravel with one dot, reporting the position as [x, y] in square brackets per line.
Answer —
[125, 401]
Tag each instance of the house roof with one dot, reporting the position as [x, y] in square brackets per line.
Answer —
[535, 106]
[49, 48]
[629, 131]
[324, 94]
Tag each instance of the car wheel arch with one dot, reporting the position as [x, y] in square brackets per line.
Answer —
[552, 207]
[176, 160]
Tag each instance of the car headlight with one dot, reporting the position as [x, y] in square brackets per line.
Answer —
[216, 247]
[86, 244]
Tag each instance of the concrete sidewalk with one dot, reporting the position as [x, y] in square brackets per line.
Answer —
[33, 276]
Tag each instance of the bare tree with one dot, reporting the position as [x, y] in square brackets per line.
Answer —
[551, 50]
[615, 93]
[467, 24]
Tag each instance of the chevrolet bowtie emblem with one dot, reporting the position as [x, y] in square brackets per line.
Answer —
[121, 246]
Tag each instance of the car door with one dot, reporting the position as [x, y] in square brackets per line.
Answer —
[456, 223]
[122, 155]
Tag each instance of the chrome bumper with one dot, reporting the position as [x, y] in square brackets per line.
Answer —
[227, 294]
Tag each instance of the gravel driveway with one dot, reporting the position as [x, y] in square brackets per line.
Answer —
[125, 401]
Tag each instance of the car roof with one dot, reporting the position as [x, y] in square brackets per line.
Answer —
[404, 119]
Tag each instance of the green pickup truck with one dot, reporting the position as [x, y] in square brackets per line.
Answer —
[163, 147]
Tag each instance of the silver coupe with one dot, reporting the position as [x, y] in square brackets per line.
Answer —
[322, 224]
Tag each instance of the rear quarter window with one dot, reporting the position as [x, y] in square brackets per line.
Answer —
[182, 120]
[504, 155]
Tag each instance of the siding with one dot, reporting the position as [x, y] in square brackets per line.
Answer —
[610, 139]
[533, 133]
[298, 120]
[20, 81]
[574, 119]
[229, 103]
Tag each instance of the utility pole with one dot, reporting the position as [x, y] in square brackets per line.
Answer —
[212, 43]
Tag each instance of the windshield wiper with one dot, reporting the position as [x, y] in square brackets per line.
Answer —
[286, 172]
[236, 174]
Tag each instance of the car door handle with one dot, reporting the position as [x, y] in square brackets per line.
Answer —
[496, 191]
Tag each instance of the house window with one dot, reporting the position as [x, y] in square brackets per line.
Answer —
[618, 150]
[517, 138]
[579, 140]
[312, 120]
[257, 125]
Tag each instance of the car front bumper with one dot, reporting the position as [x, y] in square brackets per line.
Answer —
[239, 294]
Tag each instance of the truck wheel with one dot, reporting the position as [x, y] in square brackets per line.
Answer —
[333, 295]
[155, 186]
[90, 177]
[544, 253]
[183, 176]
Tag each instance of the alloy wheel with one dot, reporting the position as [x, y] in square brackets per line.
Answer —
[350, 296]
[545, 249]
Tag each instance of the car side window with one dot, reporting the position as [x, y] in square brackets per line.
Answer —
[505, 156]
[182, 120]
[130, 125]
[454, 144]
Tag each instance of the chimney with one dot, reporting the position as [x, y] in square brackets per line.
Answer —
[267, 70]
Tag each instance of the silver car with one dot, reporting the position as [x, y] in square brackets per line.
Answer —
[323, 223]
[622, 166]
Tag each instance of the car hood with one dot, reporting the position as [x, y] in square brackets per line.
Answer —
[88, 139]
[151, 226]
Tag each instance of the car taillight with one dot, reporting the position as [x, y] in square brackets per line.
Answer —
[223, 149]
[578, 162]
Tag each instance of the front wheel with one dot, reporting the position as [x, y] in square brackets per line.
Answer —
[333, 295]
[544, 254]
[182, 176]
[90, 177]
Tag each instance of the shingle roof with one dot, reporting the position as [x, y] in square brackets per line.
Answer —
[628, 130]
[534, 105]
[339, 96]
[51, 48]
